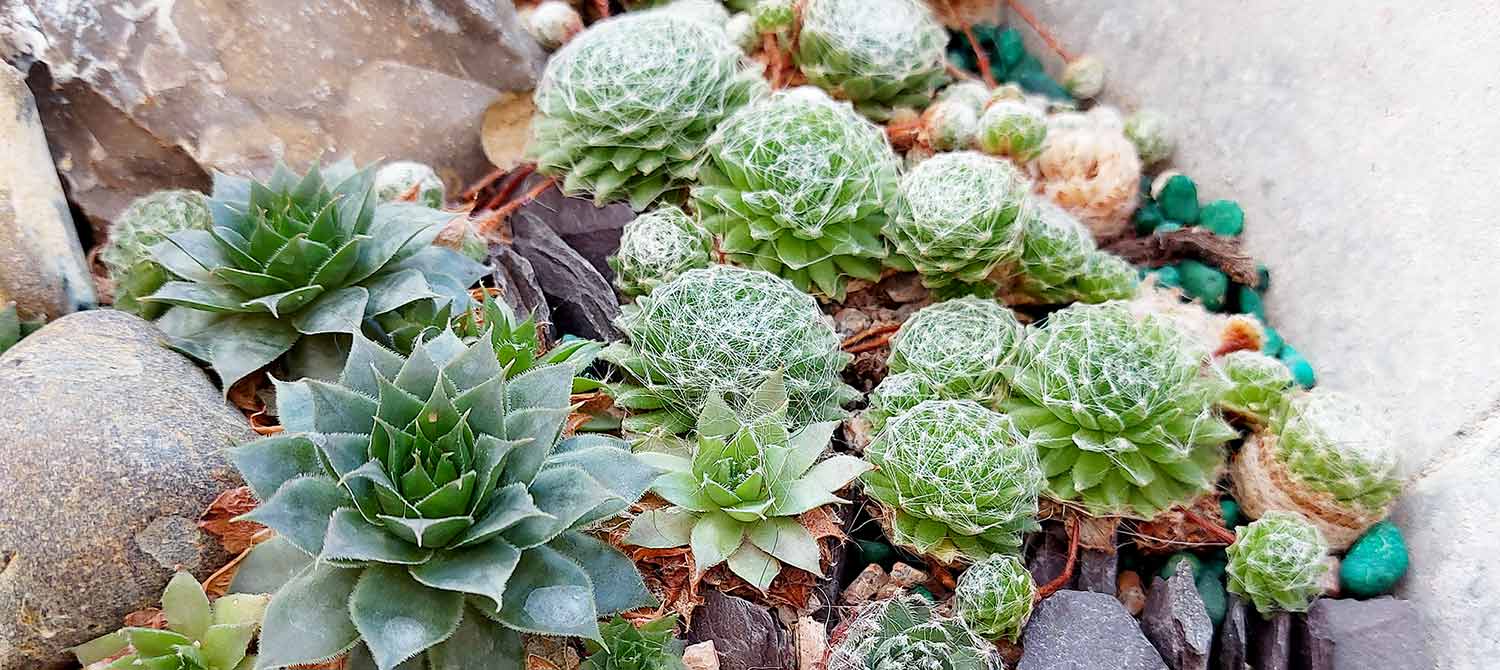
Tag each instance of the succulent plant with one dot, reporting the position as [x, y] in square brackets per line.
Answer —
[1084, 77]
[1149, 132]
[1256, 385]
[656, 247]
[1055, 248]
[437, 510]
[797, 185]
[721, 329]
[959, 347]
[1012, 129]
[1277, 563]
[293, 262]
[773, 16]
[1105, 277]
[958, 217]
[898, 392]
[1115, 404]
[199, 635]
[740, 29]
[969, 92]
[552, 23]
[957, 481]
[13, 327]
[878, 54]
[626, 646]
[905, 634]
[1089, 168]
[624, 109]
[950, 125]
[737, 499]
[995, 597]
[146, 222]
[393, 181]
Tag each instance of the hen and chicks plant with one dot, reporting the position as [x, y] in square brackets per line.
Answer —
[656, 247]
[995, 597]
[1277, 562]
[146, 222]
[1257, 386]
[904, 634]
[880, 55]
[437, 509]
[200, 635]
[737, 499]
[798, 185]
[624, 109]
[1089, 167]
[625, 646]
[1118, 410]
[959, 347]
[955, 481]
[1060, 263]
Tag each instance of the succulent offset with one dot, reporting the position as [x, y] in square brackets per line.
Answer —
[200, 635]
[624, 109]
[1056, 246]
[296, 261]
[995, 597]
[1256, 385]
[436, 509]
[957, 481]
[1123, 420]
[400, 179]
[1013, 129]
[905, 634]
[959, 217]
[798, 185]
[1090, 168]
[657, 246]
[1106, 277]
[1277, 562]
[736, 500]
[625, 646]
[950, 125]
[146, 222]
[878, 54]
[722, 329]
[1151, 135]
[898, 392]
[958, 347]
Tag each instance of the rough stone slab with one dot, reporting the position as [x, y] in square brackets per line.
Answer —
[1231, 647]
[1082, 629]
[1176, 621]
[747, 636]
[1272, 647]
[592, 231]
[1354, 634]
[113, 447]
[1048, 554]
[581, 301]
[1098, 571]
[42, 268]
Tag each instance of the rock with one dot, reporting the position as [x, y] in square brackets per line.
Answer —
[132, 437]
[1178, 199]
[1232, 644]
[1170, 567]
[1353, 634]
[1081, 629]
[1098, 571]
[506, 129]
[137, 100]
[701, 656]
[1375, 562]
[905, 575]
[42, 268]
[746, 635]
[1211, 588]
[1273, 642]
[1206, 283]
[904, 288]
[849, 321]
[1330, 579]
[1049, 553]
[864, 587]
[594, 232]
[581, 300]
[517, 282]
[1130, 592]
[1177, 623]
[1223, 217]
[812, 643]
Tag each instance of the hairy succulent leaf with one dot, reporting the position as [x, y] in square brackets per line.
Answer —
[1332, 443]
[959, 347]
[1256, 385]
[995, 597]
[656, 247]
[626, 646]
[1277, 563]
[146, 222]
[959, 217]
[1060, 263]
[13, 327]
[898, 392]
[904, 633]
[200, 635]
[878, 54]
[1013, 129]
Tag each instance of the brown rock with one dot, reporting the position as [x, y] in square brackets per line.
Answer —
[866, 586]
[907, 576]
[812, 643]
[701, 656]
[1131, 594]
[746, 634]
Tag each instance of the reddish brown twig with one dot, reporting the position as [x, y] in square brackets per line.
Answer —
[482, 183]
[1041, 32]
[959, 73]
[980, 55]
[872, 331]
[1160, 249]
[773, 59]
[491, 220]
[512, 181]
[1220, 532]
[1067, 574]
[411, 194]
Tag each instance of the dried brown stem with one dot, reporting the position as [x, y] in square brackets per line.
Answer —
[1161, 249]
[1067, 574]
[483, 182]
[1041, 31]
[512, 181]
[872, 331]
[601, 8]
[1214, 529]
[980, 55]
[491, 220]
[904, 133]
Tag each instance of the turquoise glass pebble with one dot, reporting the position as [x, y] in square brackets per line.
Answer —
[1250, 302]
[1302, 370]
[1376, 561]
[1231, 511]
[1147, 217]
[1166, 227]
[1222, 217]
[1274, 344]
[1207, 284]
[1179, 199]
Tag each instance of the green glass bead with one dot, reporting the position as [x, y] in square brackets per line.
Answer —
[1223, 217]
[1170, 568]
[1302, 369]
[1179, 199]
[1250, 302]
[875, 552]
[1147, 217]
[1210, 585]
[1207, 284]
[1263, 277]
[1376, 561]
[922, 591]
[1231, 511]
[1168, 276]
[1273, 344]
[1166, 227]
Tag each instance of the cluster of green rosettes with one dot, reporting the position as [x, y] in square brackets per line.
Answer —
[903, 633]
[878, 54]
[995, 597]
[200, 635]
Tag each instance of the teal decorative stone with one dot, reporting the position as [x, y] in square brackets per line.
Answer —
[1147, 217]
[1146, 180]
[1231, 511]
[1210, 583]
[922, 591]
[1168, 276]
[1302, 370]
[1167, 227]
[1170, 568]
[1207, 284]
[1179, 199]
[875, 552]
[1223, 217]
[1250, 302]
[1376, 561]
[1274, 344]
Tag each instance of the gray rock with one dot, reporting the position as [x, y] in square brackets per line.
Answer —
[1098, 571]
[1273, 642]
[1232, 644]
[1353, 634]
[1176, 621]
[594, 232]
[113, 448]
[905, 287]
[516, 279]
[1085, 630]
[745, 634]
[42, 268]
[1048, 553]
[582, 301]
[136, 100]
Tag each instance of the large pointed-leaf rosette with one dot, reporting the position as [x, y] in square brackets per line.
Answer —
[443, 508]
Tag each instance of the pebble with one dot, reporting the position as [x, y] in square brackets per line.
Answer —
[1222, 217]
[1302, 370]
[1231, 511]
[1098, 571]
[904, 287]
[1263, 277]
[1206, 283]
[1131, 594]
[1210, 585]
[1273, 344]
[865, 587]
[701, 656]
[1375, 562]
[1234, 637]
[1178, 199]
[1273, 643]
[1168, 276]
[1358, 634]
[905, 575]
[1250, 302]
[812, 643]
[1081, 629]
[874, 552]
[849, 321]
[1147, 217]
[1177, 623]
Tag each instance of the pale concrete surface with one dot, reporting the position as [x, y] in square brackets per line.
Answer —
[1360, 137]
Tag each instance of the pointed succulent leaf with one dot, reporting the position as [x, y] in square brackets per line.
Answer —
[662, 528]
[617, 585]
[550, 594]
[186, 606]
[398, 618]
[478, 644]
[300, 511]
[308, 619]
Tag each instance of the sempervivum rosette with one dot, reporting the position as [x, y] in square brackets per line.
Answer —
[958, 347]
[995, 597]
[657, 246]
[1277, 562]
[146, 222]
[1123, 419]
[904, 633]
[798, 185]
[625, 107]
[878, 54]
[1088, 166]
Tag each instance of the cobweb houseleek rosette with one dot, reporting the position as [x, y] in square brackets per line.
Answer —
[657, 246]
[1277, 562]
[624, 109]
[146, 222]
[878, 54]
[1117, 408]
[1256, 386]
[904, 633]
[293, 262]
[428, 505]
[720, 330]
[798, 185]
[995, 597]
[737, 499]
[955, 481]
[959, 347]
